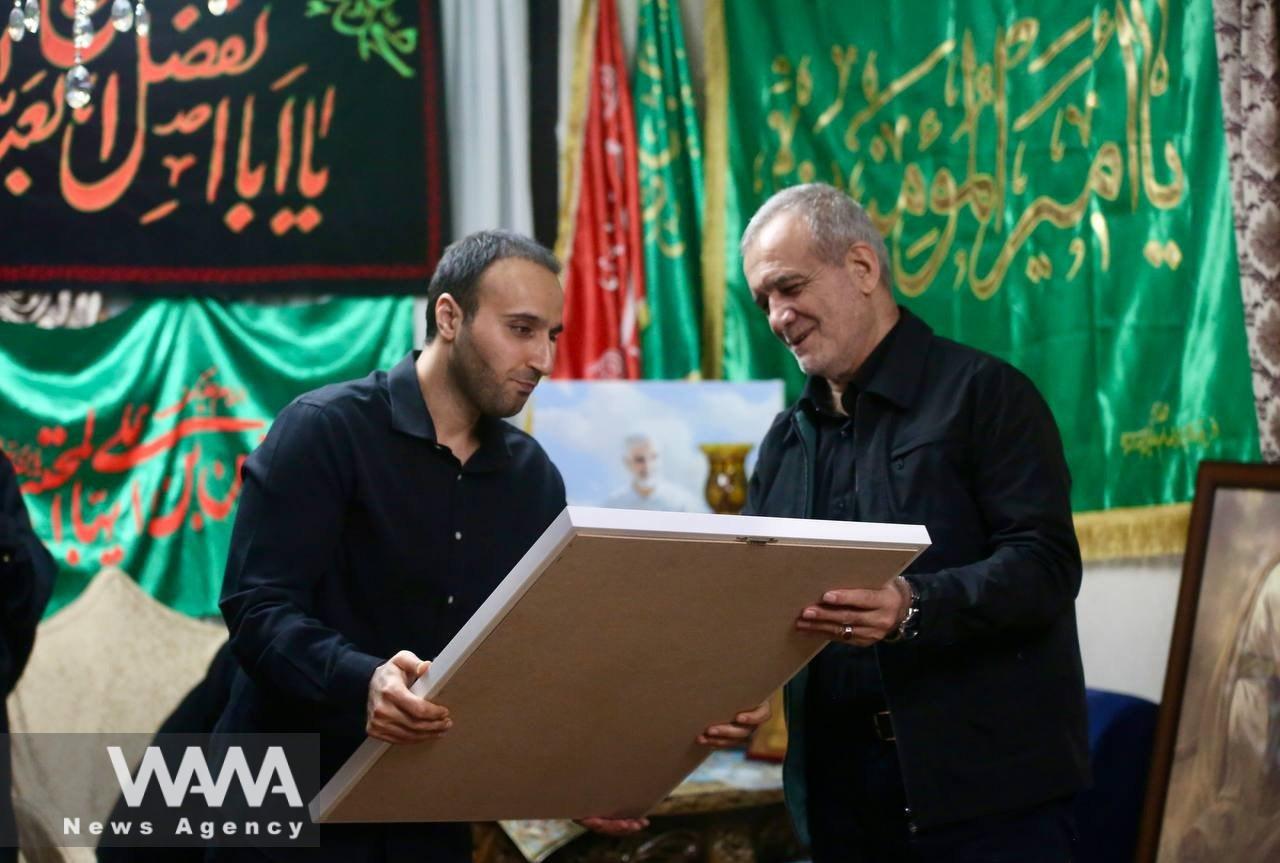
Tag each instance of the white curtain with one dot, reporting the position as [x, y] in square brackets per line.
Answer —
[486, 51]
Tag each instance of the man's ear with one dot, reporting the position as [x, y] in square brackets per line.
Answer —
[863, 266]
[448, 317]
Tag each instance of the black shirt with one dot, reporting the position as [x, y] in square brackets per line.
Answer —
[845, 686]
[27, 572]
[359, 535]
[843, 673]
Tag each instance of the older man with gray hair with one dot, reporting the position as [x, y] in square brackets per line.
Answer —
[945, 719]
[646, 489]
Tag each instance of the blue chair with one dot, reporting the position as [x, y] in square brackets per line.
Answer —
[1121, 731]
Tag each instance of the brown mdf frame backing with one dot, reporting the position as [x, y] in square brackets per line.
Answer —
[1211, 477]
[586, 694]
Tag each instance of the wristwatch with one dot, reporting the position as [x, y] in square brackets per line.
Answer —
[908, 627]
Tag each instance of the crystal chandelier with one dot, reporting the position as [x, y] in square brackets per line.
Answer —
[125, 15]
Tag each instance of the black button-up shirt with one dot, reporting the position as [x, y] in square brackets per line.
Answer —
[843, 674]
[27, 573]
[359, 535]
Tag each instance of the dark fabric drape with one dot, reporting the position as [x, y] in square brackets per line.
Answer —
[1248, 36]
[544, 107]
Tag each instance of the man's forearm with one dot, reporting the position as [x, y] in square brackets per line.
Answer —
[281, 647]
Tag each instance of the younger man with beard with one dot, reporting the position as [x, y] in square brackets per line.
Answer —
[380, 513]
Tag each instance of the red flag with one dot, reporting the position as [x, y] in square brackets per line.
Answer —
[604, 280]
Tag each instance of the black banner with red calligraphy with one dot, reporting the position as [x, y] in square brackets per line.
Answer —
[277, 147]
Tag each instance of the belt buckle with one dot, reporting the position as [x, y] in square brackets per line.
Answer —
[882, 722]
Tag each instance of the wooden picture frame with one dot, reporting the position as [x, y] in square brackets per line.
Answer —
[1213, 792]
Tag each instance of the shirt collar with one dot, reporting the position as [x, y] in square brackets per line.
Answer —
[898, 376]
[892, 370]
[410, 415]
[409, 412]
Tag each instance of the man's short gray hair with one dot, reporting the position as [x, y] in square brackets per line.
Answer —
[835, 222]
[636, 439]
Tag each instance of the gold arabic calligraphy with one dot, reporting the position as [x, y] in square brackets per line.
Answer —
[1159, 434]
[982, 218]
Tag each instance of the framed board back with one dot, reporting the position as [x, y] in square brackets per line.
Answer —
[578, 688]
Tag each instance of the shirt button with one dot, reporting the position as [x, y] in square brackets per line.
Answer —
[459, 477]
[449, 601]
[912, 828]
[457, 534]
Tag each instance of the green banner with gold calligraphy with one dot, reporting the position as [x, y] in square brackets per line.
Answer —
[1051, 180]
[670, 172]
[128, 436]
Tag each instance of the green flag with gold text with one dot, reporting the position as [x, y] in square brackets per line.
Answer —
[670, 174]
[1051, 180]
[128, 437]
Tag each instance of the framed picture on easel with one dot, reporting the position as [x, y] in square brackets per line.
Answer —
[1214, 787]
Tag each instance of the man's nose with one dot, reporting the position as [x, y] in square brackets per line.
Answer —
[544, 357]
[780, 316]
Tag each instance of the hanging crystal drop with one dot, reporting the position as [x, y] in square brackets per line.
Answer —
[141, 19]
[31, 16]
[17, 27]
[122, 15]
[82, 32]
[217, 7]
[79, 87]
